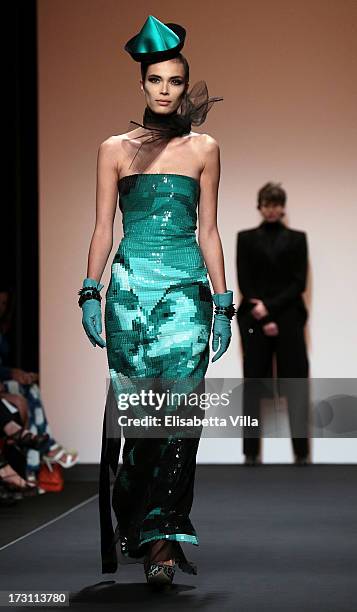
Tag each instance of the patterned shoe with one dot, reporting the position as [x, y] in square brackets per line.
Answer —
[159, 574]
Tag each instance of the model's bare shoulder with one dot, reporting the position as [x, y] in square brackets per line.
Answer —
[208, 150]
[206, 144]
[111, 151]
[204, 139]
[110, 146]
[209, 142]
[113, 143]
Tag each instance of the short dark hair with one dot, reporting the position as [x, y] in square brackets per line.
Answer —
[272, 192]
[180, 57]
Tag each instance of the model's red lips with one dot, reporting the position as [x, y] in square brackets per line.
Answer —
[164, 101]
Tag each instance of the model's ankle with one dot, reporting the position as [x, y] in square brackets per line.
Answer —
[161, 552]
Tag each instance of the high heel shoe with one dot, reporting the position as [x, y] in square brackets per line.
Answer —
[63, 457]
[158, 569]
[27, 440]
[159, 574]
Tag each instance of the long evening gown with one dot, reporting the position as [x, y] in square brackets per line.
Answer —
[158, 318]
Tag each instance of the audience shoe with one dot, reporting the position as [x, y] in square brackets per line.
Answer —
[301, 461]
[24, 439]
[58, 457]
[252, 460]
[27, 490]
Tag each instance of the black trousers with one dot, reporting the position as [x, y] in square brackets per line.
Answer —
[292, 363]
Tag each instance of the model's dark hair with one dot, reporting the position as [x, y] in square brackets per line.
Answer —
[179, 57]
[272, 192]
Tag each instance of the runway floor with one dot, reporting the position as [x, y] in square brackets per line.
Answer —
[272, 538]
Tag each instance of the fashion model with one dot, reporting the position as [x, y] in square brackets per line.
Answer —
[159, 306]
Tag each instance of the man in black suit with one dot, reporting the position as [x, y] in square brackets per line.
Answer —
[272, 270]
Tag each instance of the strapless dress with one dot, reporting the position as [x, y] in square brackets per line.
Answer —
[158, 318]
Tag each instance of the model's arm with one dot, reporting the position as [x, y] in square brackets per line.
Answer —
[106, 200]
[208, 236]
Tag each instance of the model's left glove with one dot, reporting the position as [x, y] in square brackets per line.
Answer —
[224, 311]
[89, 301]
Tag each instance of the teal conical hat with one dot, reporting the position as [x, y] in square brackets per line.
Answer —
[156, 41]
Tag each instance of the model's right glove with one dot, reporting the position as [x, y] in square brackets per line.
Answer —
[224, 312]
[92, 312]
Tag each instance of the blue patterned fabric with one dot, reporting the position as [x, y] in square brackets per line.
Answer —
[158, 310]
[158, 318]
[37, 424]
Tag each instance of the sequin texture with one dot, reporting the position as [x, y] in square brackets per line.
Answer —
[158, 310]
[158, 318]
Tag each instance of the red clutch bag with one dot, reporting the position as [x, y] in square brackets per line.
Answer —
[51, 479]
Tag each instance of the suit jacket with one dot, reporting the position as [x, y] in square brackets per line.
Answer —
[273, 271]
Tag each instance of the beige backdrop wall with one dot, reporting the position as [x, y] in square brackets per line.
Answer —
[287, 72]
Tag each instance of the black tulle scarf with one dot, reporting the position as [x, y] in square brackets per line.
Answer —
[159, 128]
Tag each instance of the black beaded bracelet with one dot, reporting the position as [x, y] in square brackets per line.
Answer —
[93, 294]
[228, 311]
[84, 289]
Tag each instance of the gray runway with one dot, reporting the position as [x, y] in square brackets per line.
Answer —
[276, 538]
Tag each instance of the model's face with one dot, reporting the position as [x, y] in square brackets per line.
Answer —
[164, 86]
[271, 211]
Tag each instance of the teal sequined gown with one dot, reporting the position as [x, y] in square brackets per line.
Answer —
[158, 317]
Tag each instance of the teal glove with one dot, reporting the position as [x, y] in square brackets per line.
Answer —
[92, 315]
[221, 325]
